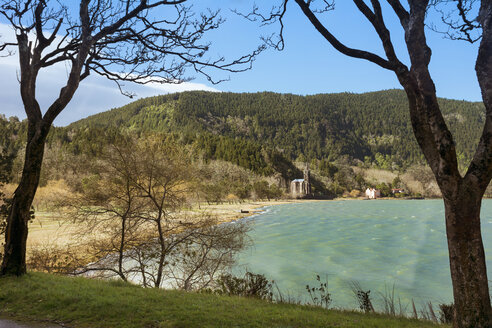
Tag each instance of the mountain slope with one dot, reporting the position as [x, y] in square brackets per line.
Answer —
[318, 126]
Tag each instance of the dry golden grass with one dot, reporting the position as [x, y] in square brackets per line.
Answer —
[57, 229]
[420, 179]
[50, 227]
[46, 196]
[428, 188]
[413, 185]
[8, 189]
[53, 192]
[377, 176]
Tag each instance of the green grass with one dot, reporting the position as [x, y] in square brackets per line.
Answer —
[81, 302]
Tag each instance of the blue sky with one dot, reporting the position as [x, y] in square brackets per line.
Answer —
[308, 65]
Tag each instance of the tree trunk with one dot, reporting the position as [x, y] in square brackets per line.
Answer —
[14, 261]
[162, 255]
[121, 249]
[462, 201]
[467, 261]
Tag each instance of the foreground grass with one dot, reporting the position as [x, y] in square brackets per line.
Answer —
[80, 302]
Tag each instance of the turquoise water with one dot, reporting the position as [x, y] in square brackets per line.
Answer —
[378, 243]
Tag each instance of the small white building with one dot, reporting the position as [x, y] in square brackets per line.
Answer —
[373, 193]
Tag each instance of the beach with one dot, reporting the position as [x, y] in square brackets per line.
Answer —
[58, 229]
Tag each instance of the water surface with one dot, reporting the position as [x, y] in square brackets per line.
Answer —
[379, 243]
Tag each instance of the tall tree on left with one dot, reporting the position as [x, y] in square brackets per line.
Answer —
[139, 41]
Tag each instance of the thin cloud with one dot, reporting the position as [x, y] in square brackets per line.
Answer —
[95, 94]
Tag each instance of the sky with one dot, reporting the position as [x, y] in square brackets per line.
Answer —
[307, 65]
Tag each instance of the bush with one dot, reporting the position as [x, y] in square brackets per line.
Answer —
[251, 285]
[51, 258]
[396, 182]
[242, 191]
[355, 193]
[385, 189]
[265, 191]
[213, 193]
[261, 189]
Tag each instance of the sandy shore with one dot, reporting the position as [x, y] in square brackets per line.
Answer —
[226, 212]
[49, 227]
[53, 228]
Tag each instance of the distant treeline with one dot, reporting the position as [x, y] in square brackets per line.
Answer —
[265, 132]
[326, 126]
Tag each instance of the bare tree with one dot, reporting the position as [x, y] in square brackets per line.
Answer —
[190, 255]
[134, 206]
[108, 206]
[462, 194]
[123, 40]
[208, 253]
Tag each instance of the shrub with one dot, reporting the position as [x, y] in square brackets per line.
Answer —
[355, 193]
[52, 258]
[251, 285]
[264, 191]
[385, 189]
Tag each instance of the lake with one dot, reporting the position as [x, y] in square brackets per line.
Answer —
[379, 243]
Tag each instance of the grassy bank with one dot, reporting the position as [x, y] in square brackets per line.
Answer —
[80, 302]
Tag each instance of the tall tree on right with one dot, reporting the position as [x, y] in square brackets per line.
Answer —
[462, 194]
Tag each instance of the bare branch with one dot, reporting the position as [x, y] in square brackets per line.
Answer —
[356, 53]
[122, 41]
[480, 170]
[377, 21]
[455, 15]
[400, 11]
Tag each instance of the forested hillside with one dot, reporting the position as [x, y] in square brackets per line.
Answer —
[267, 134]
[325, 126]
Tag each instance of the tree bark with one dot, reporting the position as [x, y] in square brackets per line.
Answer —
[462, 195]
[14, 260]
[162, 255]
[467, 260]
[121, 250]
[462, 201]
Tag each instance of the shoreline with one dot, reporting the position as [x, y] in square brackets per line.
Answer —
[52, 228]
[226, 212]
[232, 212]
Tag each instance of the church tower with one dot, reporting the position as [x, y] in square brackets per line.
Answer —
[307, 182]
